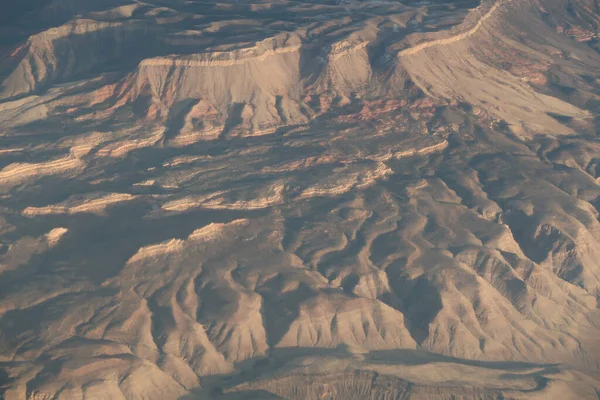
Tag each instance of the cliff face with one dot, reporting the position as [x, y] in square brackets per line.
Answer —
[63, 53]
[309, 200]
[288, 78]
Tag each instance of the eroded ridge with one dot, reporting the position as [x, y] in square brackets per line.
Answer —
[458, 37]
[241, 200]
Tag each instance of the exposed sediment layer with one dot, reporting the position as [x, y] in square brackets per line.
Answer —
[276, 200]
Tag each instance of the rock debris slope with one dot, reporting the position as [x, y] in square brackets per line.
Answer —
[300, 200]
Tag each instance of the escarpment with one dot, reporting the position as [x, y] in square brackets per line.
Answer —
[305, 200]
[66, 52]
[288, 78]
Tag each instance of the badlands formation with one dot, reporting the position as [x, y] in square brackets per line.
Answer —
[300, 199]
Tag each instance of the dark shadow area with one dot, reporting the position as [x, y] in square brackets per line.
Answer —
[280, 311]
[14, 10]
[97, 247]
[176, 119]
[251, 371]
[421, 357]
[563, 119]
[421, 306]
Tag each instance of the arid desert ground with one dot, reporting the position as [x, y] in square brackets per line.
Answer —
[299, 199]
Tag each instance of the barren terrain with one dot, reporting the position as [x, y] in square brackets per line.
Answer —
[300, 199]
